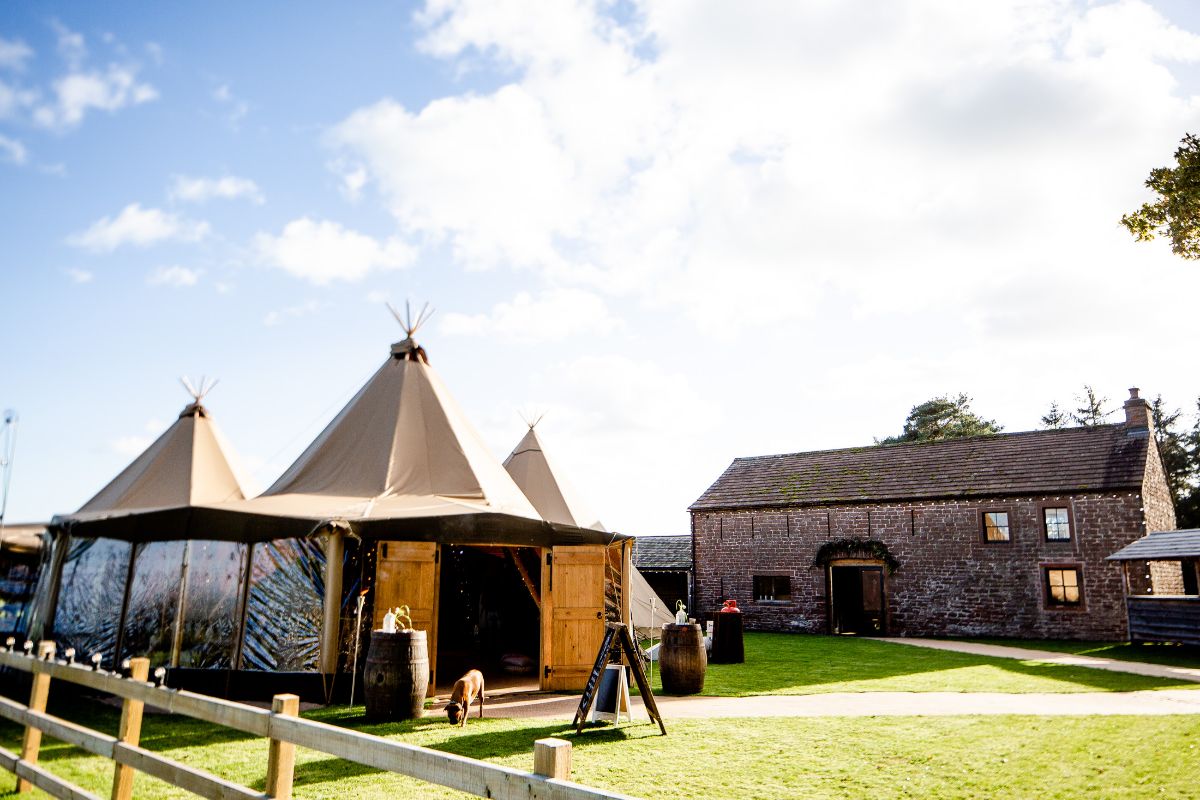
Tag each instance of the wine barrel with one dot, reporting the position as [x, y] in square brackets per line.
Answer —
[682, 659]
[396, 676]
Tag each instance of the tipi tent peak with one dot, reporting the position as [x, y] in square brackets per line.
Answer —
[546, 487]
[188, 465]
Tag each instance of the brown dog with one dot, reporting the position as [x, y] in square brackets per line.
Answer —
[466, 689]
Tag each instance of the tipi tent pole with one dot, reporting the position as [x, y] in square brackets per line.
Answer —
[335, 547]
[177, 635]
[243, 608]
[45, 615]
[133, 554]
[626, 581]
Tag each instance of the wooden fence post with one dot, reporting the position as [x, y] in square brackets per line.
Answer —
[552, 758]
[281, 756]
[37, 702]
[130, 731]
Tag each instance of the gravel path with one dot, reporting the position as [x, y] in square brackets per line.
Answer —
[866, 704]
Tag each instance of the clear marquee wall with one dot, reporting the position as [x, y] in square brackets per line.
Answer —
[282, 614]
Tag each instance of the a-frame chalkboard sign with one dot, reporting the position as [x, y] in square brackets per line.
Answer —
[617, 641]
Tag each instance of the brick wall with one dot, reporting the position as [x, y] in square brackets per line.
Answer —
[950, 582]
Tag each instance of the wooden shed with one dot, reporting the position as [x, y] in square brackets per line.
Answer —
[1163, 596]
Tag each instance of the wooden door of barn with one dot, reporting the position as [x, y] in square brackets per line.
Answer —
[858, 599]
[572, 614]
[406, 573]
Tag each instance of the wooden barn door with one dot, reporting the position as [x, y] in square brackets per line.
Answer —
[572, 614]
[407, 573]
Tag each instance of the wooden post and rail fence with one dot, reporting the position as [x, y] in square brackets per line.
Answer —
[550, 779]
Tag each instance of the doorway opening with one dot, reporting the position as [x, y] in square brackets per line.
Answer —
[857, 595]
[487, 617]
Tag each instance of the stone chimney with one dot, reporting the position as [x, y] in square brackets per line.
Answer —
[1137, 412]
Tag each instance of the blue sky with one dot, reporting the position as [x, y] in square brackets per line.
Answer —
[687, 232]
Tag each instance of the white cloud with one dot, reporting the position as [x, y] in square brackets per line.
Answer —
[280, 316]
[130, 445]
[71, 46]
[321, 251]
[751, 163]
[12, 151]
[155, 51]
[14, 53]
[80, 275]
[80, 92]
[174, 276]
[14, 100]
[199, 190]
[140, 227]
[236, 109]
[554, 314]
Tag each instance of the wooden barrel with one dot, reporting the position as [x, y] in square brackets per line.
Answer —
[682, 659]
[396, 676]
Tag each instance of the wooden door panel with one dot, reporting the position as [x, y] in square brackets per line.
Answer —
[573, 616]
[407, 573]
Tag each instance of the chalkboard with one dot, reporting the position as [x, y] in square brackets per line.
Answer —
[612, 695]
[617, 642]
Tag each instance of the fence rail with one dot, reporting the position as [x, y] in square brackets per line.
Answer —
[281, 724]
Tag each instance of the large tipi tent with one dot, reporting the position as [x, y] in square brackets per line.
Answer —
[401, 470]
[397, 499]
[536, 473]
[110, 589]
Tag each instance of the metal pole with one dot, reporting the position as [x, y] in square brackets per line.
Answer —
[362, 598]
[6, 458]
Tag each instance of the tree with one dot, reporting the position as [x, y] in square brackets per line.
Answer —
[1187, 504]
[943, 417]
[1176, 212]
[1055, 418]
[1091, 408]
[1173, 448]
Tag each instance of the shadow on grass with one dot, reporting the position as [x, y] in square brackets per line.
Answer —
[783, 663]
[1163, 653]
[480, 743]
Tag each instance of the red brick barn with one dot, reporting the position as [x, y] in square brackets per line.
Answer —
[1002, 535]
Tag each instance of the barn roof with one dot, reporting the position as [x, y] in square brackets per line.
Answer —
[1161, 546]
[662, 552]
[1091, 459]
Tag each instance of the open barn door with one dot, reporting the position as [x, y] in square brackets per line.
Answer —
[572, 614]
[406, 573]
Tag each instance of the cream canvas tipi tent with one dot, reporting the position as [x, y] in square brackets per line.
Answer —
[113, 584]
[557, 501]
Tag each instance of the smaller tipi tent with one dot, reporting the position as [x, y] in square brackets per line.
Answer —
[553, 497]
[115, 584]
[557, 501]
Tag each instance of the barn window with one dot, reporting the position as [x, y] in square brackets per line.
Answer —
[995, 526]
[1063, 586]
[772, 588]
[1058, 524]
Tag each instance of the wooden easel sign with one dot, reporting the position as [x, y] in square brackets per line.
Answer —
[617, 643]
[612, 696]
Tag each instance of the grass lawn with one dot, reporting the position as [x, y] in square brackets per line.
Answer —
[1170, 655]
[782, 663]
[880, 758]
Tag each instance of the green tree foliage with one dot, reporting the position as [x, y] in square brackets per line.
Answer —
[1176, 212]
[1090, 410]
[943, 417]
[1187, 502]
[1055, 418]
